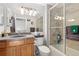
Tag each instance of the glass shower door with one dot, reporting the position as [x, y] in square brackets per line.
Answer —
[57, 27]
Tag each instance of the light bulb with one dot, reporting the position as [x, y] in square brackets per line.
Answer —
[22, 10]
[31, 12]
[34, 14]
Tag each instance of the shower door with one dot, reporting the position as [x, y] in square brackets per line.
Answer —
[57, 27]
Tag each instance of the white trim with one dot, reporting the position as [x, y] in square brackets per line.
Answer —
[53, 6]
[48, 26]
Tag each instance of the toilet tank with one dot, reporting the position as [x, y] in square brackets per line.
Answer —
[39, 41]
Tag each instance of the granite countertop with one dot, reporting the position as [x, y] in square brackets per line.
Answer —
[16, 37]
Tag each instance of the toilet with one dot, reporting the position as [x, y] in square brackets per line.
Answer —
[43, 50]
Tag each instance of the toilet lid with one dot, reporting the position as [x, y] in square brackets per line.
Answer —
[44, 49]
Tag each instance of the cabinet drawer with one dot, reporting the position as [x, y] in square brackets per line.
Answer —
[15, 43]
[29, 40]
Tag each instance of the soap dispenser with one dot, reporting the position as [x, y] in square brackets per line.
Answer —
[2, 35]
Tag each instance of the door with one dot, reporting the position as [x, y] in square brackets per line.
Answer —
[13, 51]
[27, 50]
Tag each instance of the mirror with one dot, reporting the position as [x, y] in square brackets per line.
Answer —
[39, 24]
[23, 22]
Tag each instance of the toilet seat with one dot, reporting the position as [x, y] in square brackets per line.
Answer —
[44, 49]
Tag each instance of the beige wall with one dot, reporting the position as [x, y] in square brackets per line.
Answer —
[72, 12]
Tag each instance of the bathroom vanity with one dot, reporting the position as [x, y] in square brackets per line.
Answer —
[17, 46]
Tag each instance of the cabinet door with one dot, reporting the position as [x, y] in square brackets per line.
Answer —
[27, 50]
[30, 50]
[17, 51]
[3, 52]
[23, 50]
[13, 51]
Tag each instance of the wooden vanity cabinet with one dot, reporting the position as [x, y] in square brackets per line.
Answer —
[23, 47]
[27, 50]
